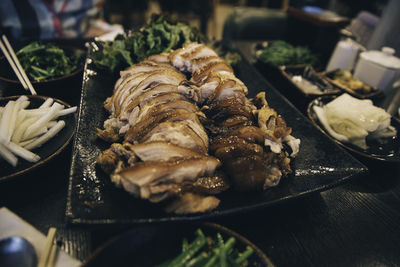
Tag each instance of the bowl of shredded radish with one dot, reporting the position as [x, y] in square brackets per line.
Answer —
[32, 130]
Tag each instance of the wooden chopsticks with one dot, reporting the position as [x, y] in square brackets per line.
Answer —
[16, 66]
[50, 250]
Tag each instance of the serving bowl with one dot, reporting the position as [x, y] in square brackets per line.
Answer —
[384, 150]
[51, 87]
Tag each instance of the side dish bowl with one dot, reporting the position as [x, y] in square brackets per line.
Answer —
[152, 245]
[387, 149]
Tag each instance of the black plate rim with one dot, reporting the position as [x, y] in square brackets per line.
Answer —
[212, 225]
[50, 157]
[213, 214]
[356, 151]
[73, 219]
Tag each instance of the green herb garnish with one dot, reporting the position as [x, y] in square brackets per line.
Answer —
[43, 62]
[160, 35]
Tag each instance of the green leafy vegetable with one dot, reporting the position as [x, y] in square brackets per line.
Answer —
[161, 35]
[209, 252]
[282, 53]
[43, 62]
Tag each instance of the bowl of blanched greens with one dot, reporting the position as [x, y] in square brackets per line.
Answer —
[281, 53]
[47, 65]
[187, 244]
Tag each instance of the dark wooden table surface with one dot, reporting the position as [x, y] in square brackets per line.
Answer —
[355, 224]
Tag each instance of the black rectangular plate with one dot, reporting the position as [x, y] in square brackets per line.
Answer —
[93, 199]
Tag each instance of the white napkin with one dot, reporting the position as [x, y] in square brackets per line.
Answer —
[12, 225]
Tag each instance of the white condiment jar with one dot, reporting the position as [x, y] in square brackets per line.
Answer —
[379, 69]
[344, 56]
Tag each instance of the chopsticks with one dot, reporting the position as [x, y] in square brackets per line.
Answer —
[16, 66]
[50, 250]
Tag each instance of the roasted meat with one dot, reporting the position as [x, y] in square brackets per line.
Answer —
[168, 108]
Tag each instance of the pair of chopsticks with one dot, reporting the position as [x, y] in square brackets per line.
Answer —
[16, 66]
[50, 250]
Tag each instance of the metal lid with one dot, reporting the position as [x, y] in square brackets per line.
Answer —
[384, 58]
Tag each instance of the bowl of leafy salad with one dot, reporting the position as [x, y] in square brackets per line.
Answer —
[47, 66]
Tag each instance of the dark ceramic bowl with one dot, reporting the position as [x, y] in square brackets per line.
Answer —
[151, 245]
[386, 149]
[59, 87]
[48, 150]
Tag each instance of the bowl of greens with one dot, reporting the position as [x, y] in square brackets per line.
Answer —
[281, 53]
[47, 66]
[187, 244]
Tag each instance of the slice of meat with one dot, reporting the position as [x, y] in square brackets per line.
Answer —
[141, 176]
[149, 110]
[227, 89]
[178, 133]
[152, 92]
[144, 66]
[144, 126]
[272, 124]
[201, 52]
[230, 152]
[235, 121]
[160, 58]
[251, 134]
[221, 110]
[163, 151]
[247, 173]
[199, 62]
[179, 58]
[161, 77]
[203, 185]
[152, 103]
[192, 203]
[206, 185]
[125, 89]
[199, 75]
[208, 87]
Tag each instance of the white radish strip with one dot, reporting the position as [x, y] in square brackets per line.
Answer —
[41, 112]
[44, 138]
[23, 98]
[36, 112]
[20, 119]
[66, 111]
[47, 103]
[51, 124]
[21, 128]
[22, 152]
[8, 156]
[24, 104]
[25, 143]
[5, 121]
[37, 133]
[13, 119]
[43, 120]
